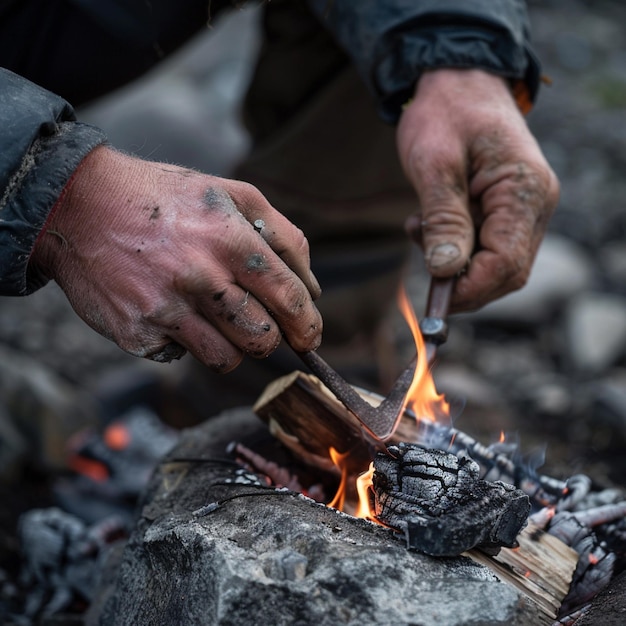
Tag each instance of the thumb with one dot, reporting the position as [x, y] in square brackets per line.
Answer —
[444, 228]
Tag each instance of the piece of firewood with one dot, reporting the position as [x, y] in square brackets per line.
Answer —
[309, 420]
[305, 414]
[541, 567]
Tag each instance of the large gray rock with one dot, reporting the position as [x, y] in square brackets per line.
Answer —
[274, 557]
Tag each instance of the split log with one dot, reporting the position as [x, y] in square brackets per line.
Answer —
[305, 416]
[541, 567]
[308, 419]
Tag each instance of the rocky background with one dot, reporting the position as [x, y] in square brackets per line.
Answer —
[546, 365]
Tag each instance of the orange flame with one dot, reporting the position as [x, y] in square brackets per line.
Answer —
[422, 399]
[363, 484]
[340, 497]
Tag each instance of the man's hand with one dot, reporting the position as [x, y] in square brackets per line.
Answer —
[486, 192]
[161, 259]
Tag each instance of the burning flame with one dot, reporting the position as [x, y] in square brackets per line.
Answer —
[422, 399]
[363, 484]
[340, 497]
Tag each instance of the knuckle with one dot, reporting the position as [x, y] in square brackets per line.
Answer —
[246, 196]
[160, 315]
[518, 280]
[300, 243]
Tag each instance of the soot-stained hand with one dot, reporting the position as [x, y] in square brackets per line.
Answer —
[485, 190]
[162, 259]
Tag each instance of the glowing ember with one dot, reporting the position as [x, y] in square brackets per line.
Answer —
[452, 441]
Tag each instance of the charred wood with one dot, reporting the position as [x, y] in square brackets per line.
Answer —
[437, 500]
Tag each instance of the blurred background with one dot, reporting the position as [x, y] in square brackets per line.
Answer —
[546, 365]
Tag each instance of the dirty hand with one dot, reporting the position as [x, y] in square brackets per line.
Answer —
[485, 190]
[161, 259]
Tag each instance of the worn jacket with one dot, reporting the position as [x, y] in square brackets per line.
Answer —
[73, 51]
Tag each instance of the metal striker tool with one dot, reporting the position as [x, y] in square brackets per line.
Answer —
[380, 422]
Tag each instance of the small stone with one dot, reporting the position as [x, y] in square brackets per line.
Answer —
[596, 331]
[561, 271]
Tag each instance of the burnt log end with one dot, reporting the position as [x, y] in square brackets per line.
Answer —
[442, 506]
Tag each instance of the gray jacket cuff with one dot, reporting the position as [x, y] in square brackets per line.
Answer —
[41, 147]
[392, 45]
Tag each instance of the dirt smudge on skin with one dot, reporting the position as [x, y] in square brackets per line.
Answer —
[154, 212]
[218, 200]
[256, 263]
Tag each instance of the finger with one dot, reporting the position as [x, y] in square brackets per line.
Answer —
[207, 343]
[285, 239]
[517, 205]
[280, 291]
[203, 341]
[257, 269]
[488, 278]
[233, 311]
[444, 227]
[242, 319]
[168, 335]
[509, 244]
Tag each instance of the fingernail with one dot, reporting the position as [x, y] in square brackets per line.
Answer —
[443, 254]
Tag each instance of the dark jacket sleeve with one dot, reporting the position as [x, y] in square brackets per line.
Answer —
[391, 43]
[41, 145]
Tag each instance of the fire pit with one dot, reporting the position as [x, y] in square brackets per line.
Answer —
[230, 533]
[214, 544]
[239, 523]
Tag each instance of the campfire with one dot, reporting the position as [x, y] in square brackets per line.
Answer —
[448, 494]
[301, 511]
